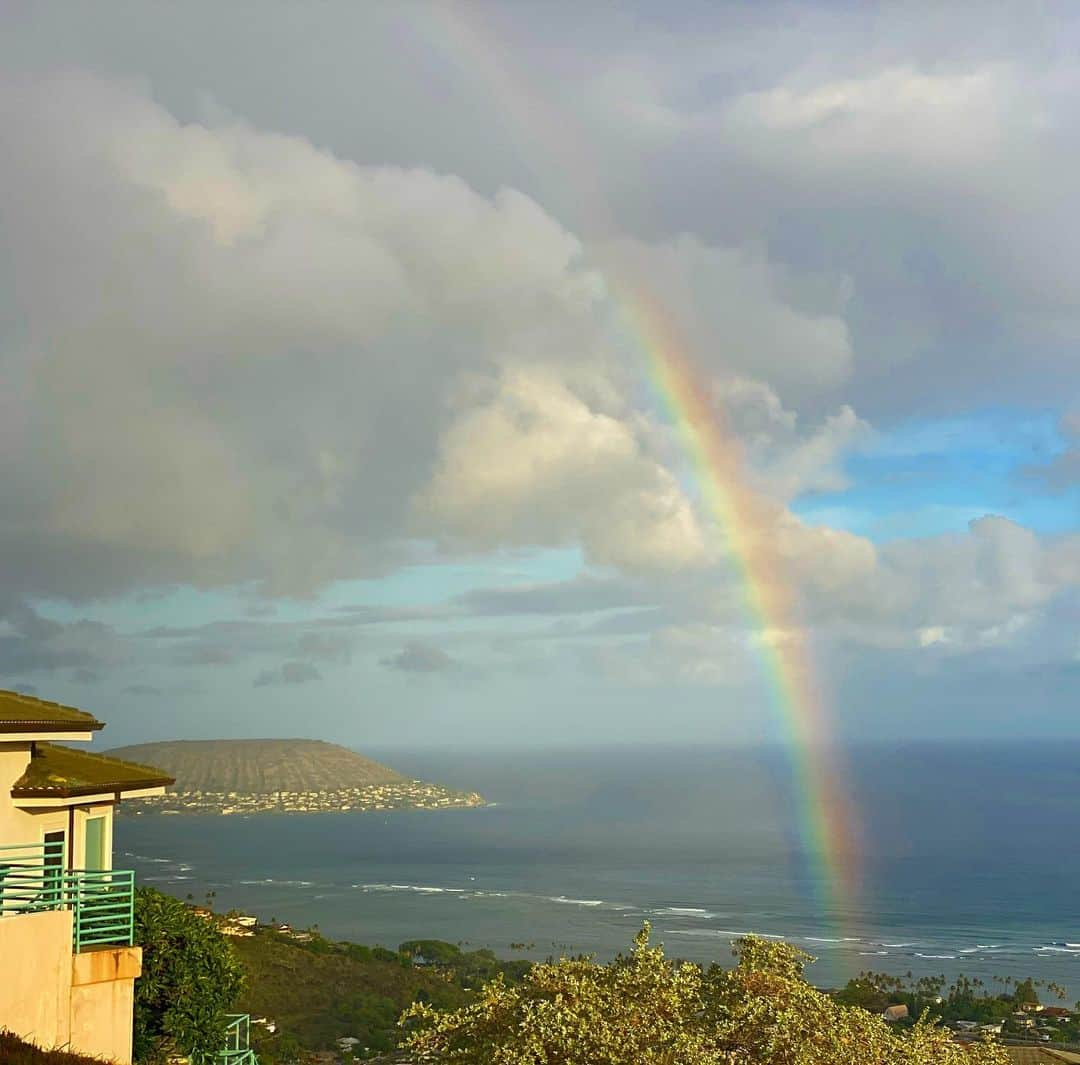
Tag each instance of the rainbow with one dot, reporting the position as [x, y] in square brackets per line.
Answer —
[747, 522]
[748, 525]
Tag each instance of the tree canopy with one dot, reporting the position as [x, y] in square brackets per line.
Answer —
[644, 1009]
[190, 979]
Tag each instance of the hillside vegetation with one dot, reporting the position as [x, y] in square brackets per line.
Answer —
[259, 766]
[319, 990]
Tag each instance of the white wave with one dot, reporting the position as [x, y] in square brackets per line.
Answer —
[821, 939]
[279, 883]
[418, 889]
[718, 933]
[1057, 950]
[915, 944]
[866, 953]
[575, 902]
[948, 956]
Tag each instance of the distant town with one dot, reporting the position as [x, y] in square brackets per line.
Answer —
[396, 795]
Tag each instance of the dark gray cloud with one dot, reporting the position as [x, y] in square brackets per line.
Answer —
[288, 673]
[420, 658]
[34, 643]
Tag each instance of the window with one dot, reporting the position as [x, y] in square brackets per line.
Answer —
[94, 850]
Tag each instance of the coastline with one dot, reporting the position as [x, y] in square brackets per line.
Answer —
[372, 798]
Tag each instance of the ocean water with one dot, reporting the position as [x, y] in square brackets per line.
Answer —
[969, 859]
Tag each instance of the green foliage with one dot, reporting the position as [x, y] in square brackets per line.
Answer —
[337, 989]
[1025, 992]
[434, 950]
[190, 979]
[643, 1009]
[965, 999]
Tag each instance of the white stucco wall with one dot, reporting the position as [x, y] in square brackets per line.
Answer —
[102, 1002]
[21, 825]
[35, 993]
[18, 826]
[49, 996]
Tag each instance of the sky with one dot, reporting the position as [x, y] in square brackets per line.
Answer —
[320, 413]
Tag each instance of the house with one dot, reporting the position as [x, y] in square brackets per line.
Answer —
[1057, 1012]
[230, 928]
[66, 915]
[895, 1013]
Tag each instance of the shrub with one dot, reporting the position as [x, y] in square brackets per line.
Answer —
[643, 1009]
[190, 978]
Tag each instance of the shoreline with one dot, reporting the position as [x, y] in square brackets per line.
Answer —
[372, 798]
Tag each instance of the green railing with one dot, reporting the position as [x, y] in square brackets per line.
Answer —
[33, 879]
[237, 1050]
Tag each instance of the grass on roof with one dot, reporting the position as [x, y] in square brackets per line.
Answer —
[59, 768]
[15, 706]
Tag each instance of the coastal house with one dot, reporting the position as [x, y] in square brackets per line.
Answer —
[66, 914]
[895, 1013]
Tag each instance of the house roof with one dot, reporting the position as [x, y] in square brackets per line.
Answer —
[63, 772]
[24, 713]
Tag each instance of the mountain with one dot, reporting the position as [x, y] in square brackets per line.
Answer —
[258, 767]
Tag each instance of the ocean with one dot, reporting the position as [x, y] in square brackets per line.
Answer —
[968, 860]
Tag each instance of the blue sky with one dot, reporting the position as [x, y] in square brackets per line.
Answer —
[319, 416]
[925, 477]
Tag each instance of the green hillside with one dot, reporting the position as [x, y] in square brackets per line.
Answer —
[319, 991]
[259, 766]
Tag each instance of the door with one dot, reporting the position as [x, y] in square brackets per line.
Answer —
[53, 861]
[94, 852]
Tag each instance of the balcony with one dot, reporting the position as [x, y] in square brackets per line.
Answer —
[237, 1050]
[33, 879]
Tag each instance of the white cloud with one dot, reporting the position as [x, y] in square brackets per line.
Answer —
[785, 459]
[536, 463]
[236, 354]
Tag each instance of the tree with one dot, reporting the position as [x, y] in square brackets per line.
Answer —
[190, 978]
[643, 1009]
[1025, 992]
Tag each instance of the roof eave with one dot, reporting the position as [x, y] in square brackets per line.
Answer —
[47, 735]
[111, 789]
[51, 726]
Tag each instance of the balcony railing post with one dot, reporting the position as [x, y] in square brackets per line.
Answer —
[101, 902]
